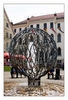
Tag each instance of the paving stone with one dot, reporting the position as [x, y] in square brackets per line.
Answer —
[13, 89]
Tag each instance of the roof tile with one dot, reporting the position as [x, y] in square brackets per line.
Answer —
[43, 17]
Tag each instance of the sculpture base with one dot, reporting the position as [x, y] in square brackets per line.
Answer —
[35, 82]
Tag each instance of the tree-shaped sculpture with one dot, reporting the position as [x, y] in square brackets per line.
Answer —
[36, 51]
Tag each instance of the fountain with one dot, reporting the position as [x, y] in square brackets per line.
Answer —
[35, 50]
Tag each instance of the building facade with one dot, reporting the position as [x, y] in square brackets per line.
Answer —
[52, 23]
[8, 32]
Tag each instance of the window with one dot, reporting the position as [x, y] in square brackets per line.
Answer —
[37, 25]
[58, 25]
[51, 25]
[58, 61]
[19, 29]
[45, 25]
[14, 30]
[59, 37]
[31, 26]
[7, 25]
[10, 36]
[59, 51]
[6, 35]
[52, 36]
[6, 46]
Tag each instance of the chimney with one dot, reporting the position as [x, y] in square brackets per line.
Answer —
[55, 15]
[11, 23]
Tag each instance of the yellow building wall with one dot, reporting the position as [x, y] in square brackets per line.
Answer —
[7, 30]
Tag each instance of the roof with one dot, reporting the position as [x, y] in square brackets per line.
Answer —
[43, 17]
[22, 22]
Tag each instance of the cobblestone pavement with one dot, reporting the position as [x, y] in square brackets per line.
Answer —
[19, 86]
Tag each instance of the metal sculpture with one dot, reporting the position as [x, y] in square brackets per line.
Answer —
[35, 50]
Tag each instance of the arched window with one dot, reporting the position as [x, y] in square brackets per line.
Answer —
[59, 37]
[59, 51]
[52, 36]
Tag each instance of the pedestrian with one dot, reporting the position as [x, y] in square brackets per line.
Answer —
[57, 75]
[21, 70]
[51, 72]
[63, 66]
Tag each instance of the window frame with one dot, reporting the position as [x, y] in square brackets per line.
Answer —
[31, 26]
[7, 45]
[15, 30]
[59, 52]
[20, 29]
[7, 35]
[45, 25]
[7, 25]
[51, 25]
[37, 26]
[10, 36]
[59, 37]
[58, 25]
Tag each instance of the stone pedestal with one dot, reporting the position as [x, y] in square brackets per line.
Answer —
[35, 82]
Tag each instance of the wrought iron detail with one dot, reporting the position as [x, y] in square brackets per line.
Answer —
[35, 50]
